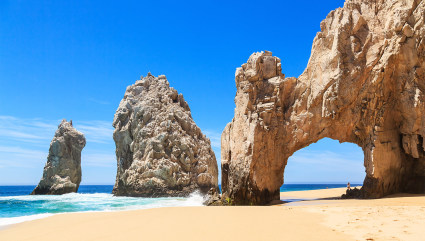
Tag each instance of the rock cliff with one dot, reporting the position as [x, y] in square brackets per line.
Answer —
[364, 84]
[160, 150]
[62, 172]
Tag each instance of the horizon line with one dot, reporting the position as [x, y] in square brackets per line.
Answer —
[105, 184]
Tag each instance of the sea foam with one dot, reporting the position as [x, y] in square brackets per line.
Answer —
[9, 221]
[16, 209]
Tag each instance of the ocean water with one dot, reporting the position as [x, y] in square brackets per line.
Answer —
[307, 187]
[16, 205]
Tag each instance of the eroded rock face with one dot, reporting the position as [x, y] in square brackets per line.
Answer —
[62, 173]
[364, 84]
[160, 150]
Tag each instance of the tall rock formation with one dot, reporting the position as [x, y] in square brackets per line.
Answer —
[160, 150]
[364, 84]
[62, 173]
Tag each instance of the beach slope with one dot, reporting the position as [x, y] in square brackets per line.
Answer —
[312, 215]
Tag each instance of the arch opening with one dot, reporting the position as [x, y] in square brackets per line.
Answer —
[326, 163]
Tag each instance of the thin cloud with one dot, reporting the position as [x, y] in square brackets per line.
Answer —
[21, 151]
[40, 124]
[24, 142]
[12, 156]
[21, 157]
[317, 156]
[327, 160]
[99, 160]
[26, 130]
[19, 135]
[4, 117]
[100, 102]
[38, 130]
[96, 131]
[215, 138]
[12, 164]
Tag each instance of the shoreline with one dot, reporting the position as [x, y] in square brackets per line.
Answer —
[7, 221]
[101, 202]
[318, 216]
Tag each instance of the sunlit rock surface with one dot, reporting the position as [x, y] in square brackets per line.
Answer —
[160, 150]
[62, 173]
[363, 84]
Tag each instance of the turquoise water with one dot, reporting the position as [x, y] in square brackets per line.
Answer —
[25, 190]
[307, 187]
[17, 206]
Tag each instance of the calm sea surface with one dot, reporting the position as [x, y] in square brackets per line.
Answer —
[16, 205]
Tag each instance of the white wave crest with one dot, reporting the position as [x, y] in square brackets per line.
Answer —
[14, 220]
[46, 205]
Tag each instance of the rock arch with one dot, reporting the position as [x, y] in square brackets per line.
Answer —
[364, 84]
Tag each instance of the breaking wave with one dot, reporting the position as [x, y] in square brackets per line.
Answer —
[16, 209]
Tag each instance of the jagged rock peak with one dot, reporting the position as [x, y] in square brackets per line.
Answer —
[160, 150]
[260, 65]
[62, 172]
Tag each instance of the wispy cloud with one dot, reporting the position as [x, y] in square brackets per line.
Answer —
[12, 156]
[96, 131]
[38, 130]
[327, 160]
[15, 156]
[24, 142]
[25, 130]
[327, 166]
[99, 159]
[215, 138]
[22, 151]
[319, 156]
[100, 102]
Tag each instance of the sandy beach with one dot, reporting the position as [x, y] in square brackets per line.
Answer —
[311, 215]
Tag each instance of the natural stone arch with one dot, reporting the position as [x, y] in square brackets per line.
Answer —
[363, 84]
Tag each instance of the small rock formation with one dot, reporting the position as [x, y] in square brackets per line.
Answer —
[213, 198]
[160, 150]
[62, 173]
[352, 193]
[364, 84]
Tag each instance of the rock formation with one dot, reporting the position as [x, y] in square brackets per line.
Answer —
[62, 173]
[160, 150]
[364, 84]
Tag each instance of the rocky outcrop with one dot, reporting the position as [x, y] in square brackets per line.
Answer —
[62, 173]
[160, 150]
[364, 84]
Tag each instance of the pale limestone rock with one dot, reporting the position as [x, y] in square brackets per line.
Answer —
[62, 173]
[160, 150]
[363, 84]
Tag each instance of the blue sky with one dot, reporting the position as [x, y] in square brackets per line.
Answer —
[74, 60]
